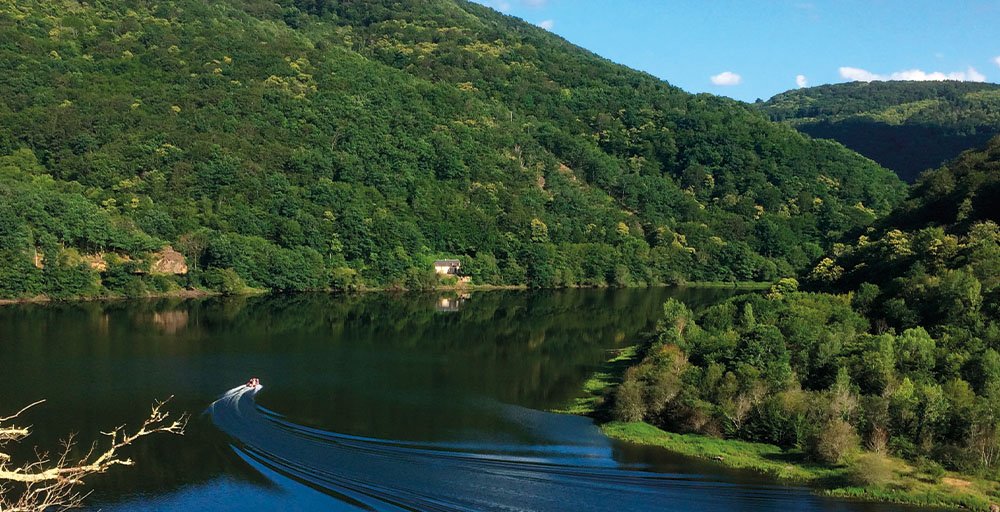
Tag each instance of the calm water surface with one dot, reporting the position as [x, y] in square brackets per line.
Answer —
[372, 402]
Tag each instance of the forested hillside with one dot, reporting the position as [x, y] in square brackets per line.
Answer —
[903, 360]
[310, 145]
[934, 261]
[908, 127]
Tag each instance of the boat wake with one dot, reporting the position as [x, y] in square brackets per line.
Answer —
[379, 474]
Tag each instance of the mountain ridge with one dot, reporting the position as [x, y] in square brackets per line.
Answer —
[908, 127]
[314, 145]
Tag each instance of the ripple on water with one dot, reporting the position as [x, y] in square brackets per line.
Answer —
[568, 474]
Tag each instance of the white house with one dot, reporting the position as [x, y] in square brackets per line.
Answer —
[447, 267]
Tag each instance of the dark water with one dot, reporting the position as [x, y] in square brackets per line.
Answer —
[374, 402]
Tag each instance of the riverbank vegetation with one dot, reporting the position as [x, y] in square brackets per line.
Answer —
[887, 373]
[872, 477]
[597, 388]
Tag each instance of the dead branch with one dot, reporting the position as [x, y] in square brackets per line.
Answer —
[53, 483]
[9, 433]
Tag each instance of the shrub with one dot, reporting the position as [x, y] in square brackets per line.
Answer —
[122, 276]
[871, 470]
[225, 281]
[629, 405]
[134, 287]
[345, 279]
[833, 441]
[934, 470]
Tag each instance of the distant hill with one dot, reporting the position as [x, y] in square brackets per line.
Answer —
[935, 260]
[908, 127]
[306, 144]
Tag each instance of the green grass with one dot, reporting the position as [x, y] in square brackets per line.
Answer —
[761, 457]
[907, 486]
[597, 387]
[944, 498]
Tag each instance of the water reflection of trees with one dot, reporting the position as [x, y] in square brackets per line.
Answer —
[371, 363]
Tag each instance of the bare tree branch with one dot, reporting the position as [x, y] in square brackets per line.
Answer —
[52, 483]
[18, 413]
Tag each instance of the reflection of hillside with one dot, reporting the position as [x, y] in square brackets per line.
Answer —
[387, 365]
[171, 321]
[527, 349]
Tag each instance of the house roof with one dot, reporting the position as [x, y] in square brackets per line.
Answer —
[447, 263]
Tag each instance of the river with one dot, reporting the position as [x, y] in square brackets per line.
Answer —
[369, 402]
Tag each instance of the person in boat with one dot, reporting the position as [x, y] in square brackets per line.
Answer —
[253, 382]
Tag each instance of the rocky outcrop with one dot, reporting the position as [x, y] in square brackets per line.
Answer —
[169, 261]
[95, 261]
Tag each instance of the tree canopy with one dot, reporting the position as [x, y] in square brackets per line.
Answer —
[908, 127]
[297, 145]
[893, 348]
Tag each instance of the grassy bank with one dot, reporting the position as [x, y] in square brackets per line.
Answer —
[904, 483]
[890, 480]
[596, 388]
[761, 457]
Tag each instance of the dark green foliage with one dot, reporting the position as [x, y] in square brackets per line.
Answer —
[225, 281]
[935, 260]
[18, 277]
[908, 127]
[800, 370]
[904, 361]
[67, 279]
[319, 144]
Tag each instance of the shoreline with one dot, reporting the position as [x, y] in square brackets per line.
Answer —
[175, 294]
[198, 293]
[908, 484]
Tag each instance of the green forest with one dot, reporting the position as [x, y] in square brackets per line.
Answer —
[295, 145]
[310, 145]
[908, 127]
[889, 346]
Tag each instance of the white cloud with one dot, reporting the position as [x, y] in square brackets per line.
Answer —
[726, 78]
[547, 24]
[997, 60]
[858, 75]
[801, 81]
[863, 75]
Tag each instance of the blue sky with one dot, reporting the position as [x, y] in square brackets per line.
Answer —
[754, 49]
